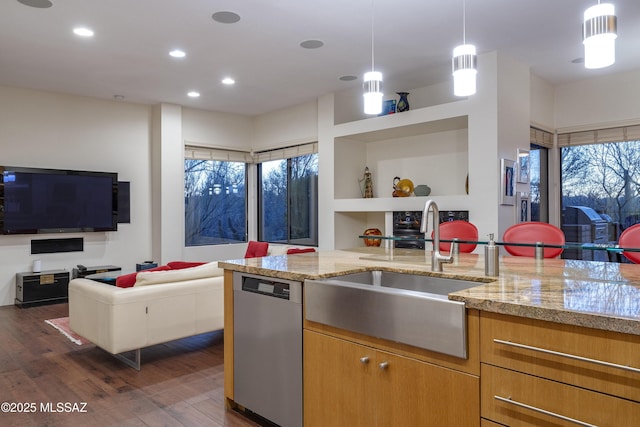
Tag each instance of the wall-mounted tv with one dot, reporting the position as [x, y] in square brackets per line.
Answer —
[34, 201]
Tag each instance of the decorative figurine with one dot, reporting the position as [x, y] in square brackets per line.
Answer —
[367, 187]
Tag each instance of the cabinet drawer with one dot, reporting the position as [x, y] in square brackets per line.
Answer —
[603, 361]
[518, 399]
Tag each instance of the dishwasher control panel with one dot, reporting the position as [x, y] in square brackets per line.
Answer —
[266, 287]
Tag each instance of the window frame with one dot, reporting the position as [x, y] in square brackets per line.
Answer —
[312, 241]
[218, 155]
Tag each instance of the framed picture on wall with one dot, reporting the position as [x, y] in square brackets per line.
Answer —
[507, 178]
[523, 166]
[523, 207]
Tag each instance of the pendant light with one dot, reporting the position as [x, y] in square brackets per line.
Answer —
[599, 33]
[372, 82]
[464, 63]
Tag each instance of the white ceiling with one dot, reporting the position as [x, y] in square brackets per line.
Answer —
[128, 55]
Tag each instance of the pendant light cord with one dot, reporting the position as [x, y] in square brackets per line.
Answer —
[464, 22]
[372, 37]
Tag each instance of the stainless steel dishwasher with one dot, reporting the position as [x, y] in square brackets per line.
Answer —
[267, 347]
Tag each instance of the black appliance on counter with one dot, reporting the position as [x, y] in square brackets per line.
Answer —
[406, 225]
[582, 224]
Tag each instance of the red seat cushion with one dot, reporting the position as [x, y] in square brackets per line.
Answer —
[256, 249]
[463, 230]
[179, 265]
[630, 238]
[128, 280]
[299, 250]
[533, 232]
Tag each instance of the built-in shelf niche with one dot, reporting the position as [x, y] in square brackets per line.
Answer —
[350, 225]
[434, 153]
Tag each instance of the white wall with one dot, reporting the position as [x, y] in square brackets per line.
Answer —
[222, 130]
[41, 129]
[286, 127]
[599, 102]
[542, 103]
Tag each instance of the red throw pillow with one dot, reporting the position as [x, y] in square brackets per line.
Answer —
[128, 280]
[256, 249]
[299, 250]
[179, 265]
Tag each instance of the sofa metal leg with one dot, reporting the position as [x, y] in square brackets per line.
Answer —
[134, 362]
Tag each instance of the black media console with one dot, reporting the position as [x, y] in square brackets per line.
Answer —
[87, 271]
[50, 287]
[46, 287]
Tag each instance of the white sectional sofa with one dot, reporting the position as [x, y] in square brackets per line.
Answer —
[162, 306]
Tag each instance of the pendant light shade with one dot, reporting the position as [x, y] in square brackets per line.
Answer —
[464, 62]
[599, 33]
[373, 92]
[464, 70]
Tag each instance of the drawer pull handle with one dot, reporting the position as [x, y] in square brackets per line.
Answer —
[542, 411]
[569, 356]
[384, 365]
[364, 359]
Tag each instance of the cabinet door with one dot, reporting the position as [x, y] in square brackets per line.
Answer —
[414, 393]
[338, 389]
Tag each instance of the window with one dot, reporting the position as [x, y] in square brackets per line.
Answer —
[215, 198]
[600, 185]
[538, 163]
[288, 200]
[540, 142]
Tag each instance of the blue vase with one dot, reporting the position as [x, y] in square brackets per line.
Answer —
[403, 102]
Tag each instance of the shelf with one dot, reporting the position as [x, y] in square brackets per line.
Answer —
[438, 118]
[389, 204]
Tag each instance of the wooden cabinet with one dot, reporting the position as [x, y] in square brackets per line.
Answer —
[531, 366]
[350, 384]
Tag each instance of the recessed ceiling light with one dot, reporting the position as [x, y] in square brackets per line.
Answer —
[118, 97]
[83, 32]
[177, 53]
[348, 78]
[41, 4]
[193, 94]
[226, 17]
[312, 44]
[228, 81]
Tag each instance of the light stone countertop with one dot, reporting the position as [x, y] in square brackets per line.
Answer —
[593, 294]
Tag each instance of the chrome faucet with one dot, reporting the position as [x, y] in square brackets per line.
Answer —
[437, 259]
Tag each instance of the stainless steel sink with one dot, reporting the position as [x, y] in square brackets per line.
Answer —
[410, 282]
[407, 308]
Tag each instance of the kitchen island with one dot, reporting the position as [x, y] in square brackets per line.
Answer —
[543, 329]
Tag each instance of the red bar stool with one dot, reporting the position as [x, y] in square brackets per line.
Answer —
[533, 232]
[462, 230]
[630, 238]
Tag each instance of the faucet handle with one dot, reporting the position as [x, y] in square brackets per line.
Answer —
[455, 247]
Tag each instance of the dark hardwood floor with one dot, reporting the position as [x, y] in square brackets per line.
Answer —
[180, 383]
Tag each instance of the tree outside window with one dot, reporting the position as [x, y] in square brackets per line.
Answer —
[289, 201]
[215, 202]
[605, 177]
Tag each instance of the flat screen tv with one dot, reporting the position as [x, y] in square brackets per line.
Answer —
[34, 201]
